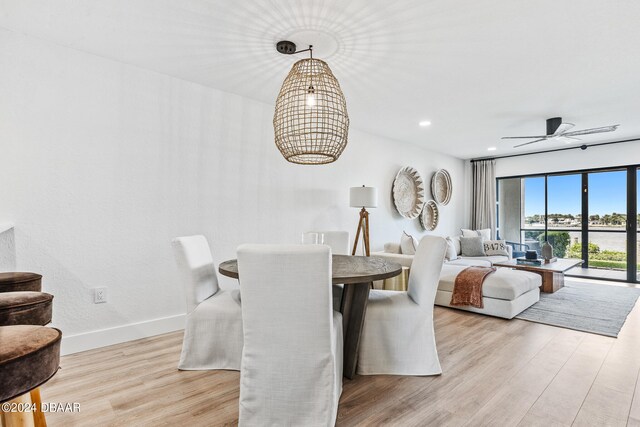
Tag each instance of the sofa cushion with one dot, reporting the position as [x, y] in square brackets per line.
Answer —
[470, 262]
[408, 244]
[472, 246]
[480, 261]
[495, 258]
[403, 260]
[505, 283]
[392, 248]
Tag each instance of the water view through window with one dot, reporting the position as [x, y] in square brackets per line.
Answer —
[532, 209]
[608, 220]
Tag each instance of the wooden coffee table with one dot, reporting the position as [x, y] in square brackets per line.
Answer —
[552, 273]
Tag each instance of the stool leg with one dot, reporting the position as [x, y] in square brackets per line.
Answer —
[38, 415]
[19, 419]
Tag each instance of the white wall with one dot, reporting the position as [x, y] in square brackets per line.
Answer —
[593, 157]
[102, 164]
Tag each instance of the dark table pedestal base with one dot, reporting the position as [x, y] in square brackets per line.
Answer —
[353, 308]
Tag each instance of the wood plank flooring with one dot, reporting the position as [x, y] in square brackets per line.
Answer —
[495, 373]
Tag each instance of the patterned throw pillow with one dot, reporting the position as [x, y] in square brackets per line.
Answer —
[495, 247]
[472, 246]
[408, 244]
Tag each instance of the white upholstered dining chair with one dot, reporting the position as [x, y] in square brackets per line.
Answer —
[292, 359]
[398, 336]
[213, 330]
[338, 241]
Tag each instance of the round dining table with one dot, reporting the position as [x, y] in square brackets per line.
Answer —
[356, 273]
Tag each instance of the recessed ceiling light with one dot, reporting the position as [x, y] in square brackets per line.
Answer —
[492, 148]
[425, 123]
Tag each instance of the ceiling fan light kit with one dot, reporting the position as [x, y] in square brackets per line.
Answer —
[561, 131]
[311, 123]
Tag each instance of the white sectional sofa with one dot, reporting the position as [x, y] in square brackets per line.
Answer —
[392, 251]
[506, 292]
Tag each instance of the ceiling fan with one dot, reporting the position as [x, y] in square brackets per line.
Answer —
[559, 131]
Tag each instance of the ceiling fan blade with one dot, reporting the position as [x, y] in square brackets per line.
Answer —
[531, 142]
[525, 137]
[564, 127]
[567, 139]
[592, 130]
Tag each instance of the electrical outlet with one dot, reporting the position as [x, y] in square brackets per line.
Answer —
[99, 295]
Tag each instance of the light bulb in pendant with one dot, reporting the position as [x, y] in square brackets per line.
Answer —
[311, 97]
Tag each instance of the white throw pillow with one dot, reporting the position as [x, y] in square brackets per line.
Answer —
[456, 243]
[452, 252]
[408, 244]
[485, 233]
[495, 247]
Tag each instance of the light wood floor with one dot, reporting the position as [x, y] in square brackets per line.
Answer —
[496, 372]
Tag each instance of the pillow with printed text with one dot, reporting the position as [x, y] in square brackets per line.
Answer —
[495, 247]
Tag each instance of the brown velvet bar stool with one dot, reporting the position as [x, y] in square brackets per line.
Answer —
[25, 308]
[20, 281]
[29, 357]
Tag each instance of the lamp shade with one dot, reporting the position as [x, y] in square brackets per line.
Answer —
[363, 197]
[310, 122]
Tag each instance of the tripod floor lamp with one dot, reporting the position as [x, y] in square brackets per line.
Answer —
[363, 197]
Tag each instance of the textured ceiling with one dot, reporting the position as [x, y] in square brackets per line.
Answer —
[478, 70]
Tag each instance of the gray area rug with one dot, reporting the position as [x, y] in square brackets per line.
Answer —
[599, 309]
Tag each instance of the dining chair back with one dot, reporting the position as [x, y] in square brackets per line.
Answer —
[291, 370]
[398, 337]
[338, 241]
[213, 329]
[425, 270]
[196, 268]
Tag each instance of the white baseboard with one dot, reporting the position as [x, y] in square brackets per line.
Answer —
[119, 334]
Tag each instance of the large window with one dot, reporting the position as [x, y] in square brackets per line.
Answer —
[583, 214]
[607, 223]
[565, 202]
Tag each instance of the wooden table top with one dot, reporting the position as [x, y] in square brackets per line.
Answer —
[346, 269]
[559, 266]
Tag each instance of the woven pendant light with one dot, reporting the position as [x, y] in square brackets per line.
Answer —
[310, 122]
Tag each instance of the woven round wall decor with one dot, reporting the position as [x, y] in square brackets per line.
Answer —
[429, 216]
[441, 187]
[408, 192]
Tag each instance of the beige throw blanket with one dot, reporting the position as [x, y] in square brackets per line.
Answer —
[467, 289]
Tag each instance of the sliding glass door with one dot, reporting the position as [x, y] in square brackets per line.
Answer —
[591, 215]
[606, 253]
[564, 204]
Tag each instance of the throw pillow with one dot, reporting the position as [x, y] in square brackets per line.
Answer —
[472, 246]
[495, 247]
[452, 253]
[456, 243]
[408, 244]
[485, 233]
